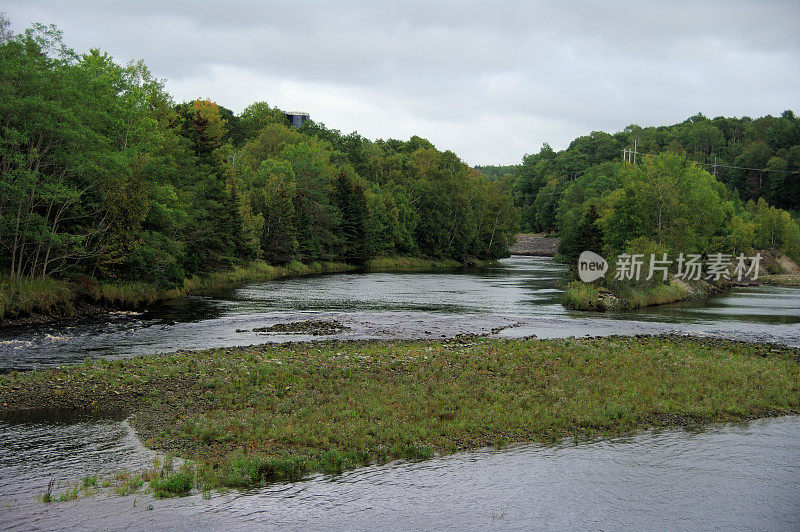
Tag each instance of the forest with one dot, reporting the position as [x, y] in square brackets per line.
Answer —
[701, 186]
[105, 177]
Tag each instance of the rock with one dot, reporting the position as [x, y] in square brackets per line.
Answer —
[312, 327]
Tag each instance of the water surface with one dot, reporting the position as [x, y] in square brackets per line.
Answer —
[520, 298]
[742, 476]
[727, 476]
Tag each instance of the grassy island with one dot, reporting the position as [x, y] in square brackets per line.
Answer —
[248, 416]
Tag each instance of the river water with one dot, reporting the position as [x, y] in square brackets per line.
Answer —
[743, 476]
[522, 297]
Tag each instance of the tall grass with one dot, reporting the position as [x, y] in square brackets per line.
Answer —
[656, 295]
[34, 296]
[58, 297]
[582, 296]
[409, 264]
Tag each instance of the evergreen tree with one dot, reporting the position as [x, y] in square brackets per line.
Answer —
[350, 199]
[588, 235]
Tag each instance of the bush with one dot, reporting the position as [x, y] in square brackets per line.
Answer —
[582, 296]
[176, 484]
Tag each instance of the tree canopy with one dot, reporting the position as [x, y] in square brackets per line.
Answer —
[103, 174]
[703, 185]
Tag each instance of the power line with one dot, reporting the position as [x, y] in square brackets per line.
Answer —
[748, 168]
[629, 155]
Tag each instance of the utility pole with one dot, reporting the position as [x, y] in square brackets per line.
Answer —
[629, 155]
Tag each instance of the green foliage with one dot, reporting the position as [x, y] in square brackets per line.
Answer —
[582, 296]
[35, 296]
[669, 200]
[674, 192]
[272, 199]
[259, 115]
[348, 196]
[104, 176]
[587, 236]
[179, 483]
[774, 229]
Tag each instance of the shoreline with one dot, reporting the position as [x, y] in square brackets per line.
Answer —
[275, 412]
[59, 300]
[589, 296]
[585, 296]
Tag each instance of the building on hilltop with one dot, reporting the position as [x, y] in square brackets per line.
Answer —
[296, 118]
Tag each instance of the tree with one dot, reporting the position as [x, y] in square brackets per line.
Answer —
[74, 153]
[259, 115]
[348, 196]
[675, 203]
[201, 122]
[776, 186]
[273, 199]
[5, 28]
[103, 175]
[589, 235]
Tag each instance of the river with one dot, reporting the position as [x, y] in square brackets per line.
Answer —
[521, 297]
[743, 476]
[723, 476]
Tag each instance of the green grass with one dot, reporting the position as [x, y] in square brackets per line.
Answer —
[43, 296]
[127, 483]
[69, 495]
[582, 296]
[410, 264]
[172, 485]
[248, 416]
[660, 294]
[780, 280]
[47, 496]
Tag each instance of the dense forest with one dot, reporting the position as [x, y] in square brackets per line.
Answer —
[105, 176]
[701, 186]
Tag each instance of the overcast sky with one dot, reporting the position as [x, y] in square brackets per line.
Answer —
[490, 80]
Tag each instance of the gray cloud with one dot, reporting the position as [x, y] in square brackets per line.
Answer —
[490, 81]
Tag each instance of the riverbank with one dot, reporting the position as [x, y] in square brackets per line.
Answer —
[585, 296]
[247, 416]
[590, 296]
[781, 280]
[42, 300]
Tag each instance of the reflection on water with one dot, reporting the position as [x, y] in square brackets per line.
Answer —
[743, 476]
[767, 305]
[524, 293]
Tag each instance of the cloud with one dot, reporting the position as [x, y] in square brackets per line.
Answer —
[491, 81]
